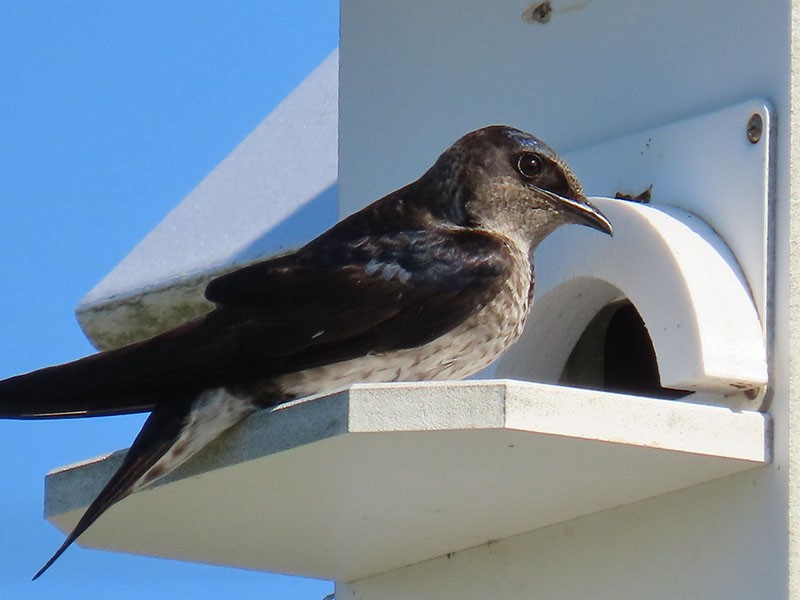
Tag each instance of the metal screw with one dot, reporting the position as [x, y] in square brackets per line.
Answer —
[538, 12]
[755, 127]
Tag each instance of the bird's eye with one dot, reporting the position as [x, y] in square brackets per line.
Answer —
[529, 165]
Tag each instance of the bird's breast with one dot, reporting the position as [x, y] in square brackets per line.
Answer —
[468, 348]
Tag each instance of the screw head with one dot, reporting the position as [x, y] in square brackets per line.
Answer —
[538, 12]
[755, 128]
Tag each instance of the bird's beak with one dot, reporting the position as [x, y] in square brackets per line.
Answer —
[582, 212]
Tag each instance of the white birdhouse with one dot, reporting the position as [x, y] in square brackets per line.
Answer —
[637, 441]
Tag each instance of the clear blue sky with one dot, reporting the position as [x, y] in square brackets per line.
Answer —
[110, 113]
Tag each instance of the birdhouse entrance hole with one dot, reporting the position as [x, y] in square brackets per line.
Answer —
[615, 353]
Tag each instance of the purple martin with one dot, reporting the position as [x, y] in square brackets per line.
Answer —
[433, 281]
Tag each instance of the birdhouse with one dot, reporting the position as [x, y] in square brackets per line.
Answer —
[635, 442]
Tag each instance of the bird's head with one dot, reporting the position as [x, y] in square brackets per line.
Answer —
[508, 181]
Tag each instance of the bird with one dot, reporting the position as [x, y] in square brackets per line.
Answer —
[431, 282]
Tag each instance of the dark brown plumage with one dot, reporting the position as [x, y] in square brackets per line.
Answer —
[433, 281]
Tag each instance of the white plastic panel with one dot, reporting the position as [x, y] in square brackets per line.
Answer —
[382, 476]
[705, 165]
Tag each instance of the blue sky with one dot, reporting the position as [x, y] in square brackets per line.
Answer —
[110, 113]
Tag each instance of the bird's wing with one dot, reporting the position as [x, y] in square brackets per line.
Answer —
[154, 440]
[341, 299]
[333, 300]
